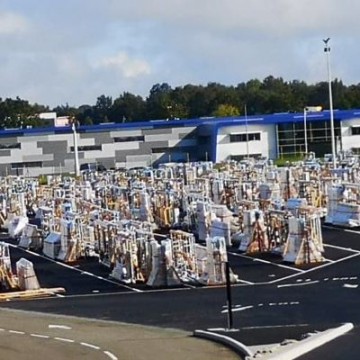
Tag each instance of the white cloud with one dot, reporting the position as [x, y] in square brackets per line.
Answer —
[127, 66]
[12, 24]
[75, 50]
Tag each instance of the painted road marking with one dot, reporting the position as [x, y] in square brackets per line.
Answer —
[110, 355]
[40, 336]
[65, 340]
[90, 346]
[65, 327]
[298, 284]
[75, 269]
[341, 248]
[350, 286]
[315, 268]
[236, 308]
[267, 262]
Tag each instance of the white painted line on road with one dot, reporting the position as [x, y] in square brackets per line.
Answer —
[315, 268]
[90, 346]
[352, 231]
[310, 343]
[238, 309]
[86, 273]
[110, 355]
[76, 269]
[341, 248]
[40, 336]
[353, 278]
[245, 282]
[64, 339]
[328, 260]
[55, 326]
[216, 329]
[298, 284]
[266, 262]
[350, 286]
[273, 326]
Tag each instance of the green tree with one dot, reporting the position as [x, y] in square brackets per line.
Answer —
[224, 110]
[158, 103]
[128, 107]
[102, 109]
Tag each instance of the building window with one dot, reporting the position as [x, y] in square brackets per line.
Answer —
[244, 157]
[177, 149]
[129, 138]
[245, 137]
[87, 148]
[10, 146]
[355, 130]
[26, 164]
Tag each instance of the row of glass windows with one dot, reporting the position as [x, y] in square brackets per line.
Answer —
[87, 148]
[10, 146]
[26, 164]
[129, 138]
[245, 137]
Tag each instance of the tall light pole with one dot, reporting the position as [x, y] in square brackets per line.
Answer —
[76, 152]
[306, 110]
[247, 133]
[327, 51]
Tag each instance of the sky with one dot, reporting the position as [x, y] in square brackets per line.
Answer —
[57, 52]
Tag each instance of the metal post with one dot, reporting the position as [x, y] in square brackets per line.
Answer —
[76, 152]
[327, 50]
[247, 133]
[228, 296]
[305, 132]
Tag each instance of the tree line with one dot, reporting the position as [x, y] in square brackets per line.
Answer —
[271, 95]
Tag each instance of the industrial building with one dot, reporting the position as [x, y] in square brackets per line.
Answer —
[51, 150]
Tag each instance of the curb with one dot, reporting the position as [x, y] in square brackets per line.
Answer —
[309, 344]
[236, 346]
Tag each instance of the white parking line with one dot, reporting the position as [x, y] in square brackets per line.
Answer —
[315, 268]
[75, 269]
[341, 248]
[266, 262]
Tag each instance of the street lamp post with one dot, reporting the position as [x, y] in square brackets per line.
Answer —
[306, 110]
[327, 51]
[247, 133]
[76, 151]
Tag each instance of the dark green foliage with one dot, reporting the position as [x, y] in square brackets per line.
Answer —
[268, 96]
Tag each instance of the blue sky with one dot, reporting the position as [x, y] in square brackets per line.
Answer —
[72, 51]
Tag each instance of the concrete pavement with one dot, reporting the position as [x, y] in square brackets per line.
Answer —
[25, 335]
